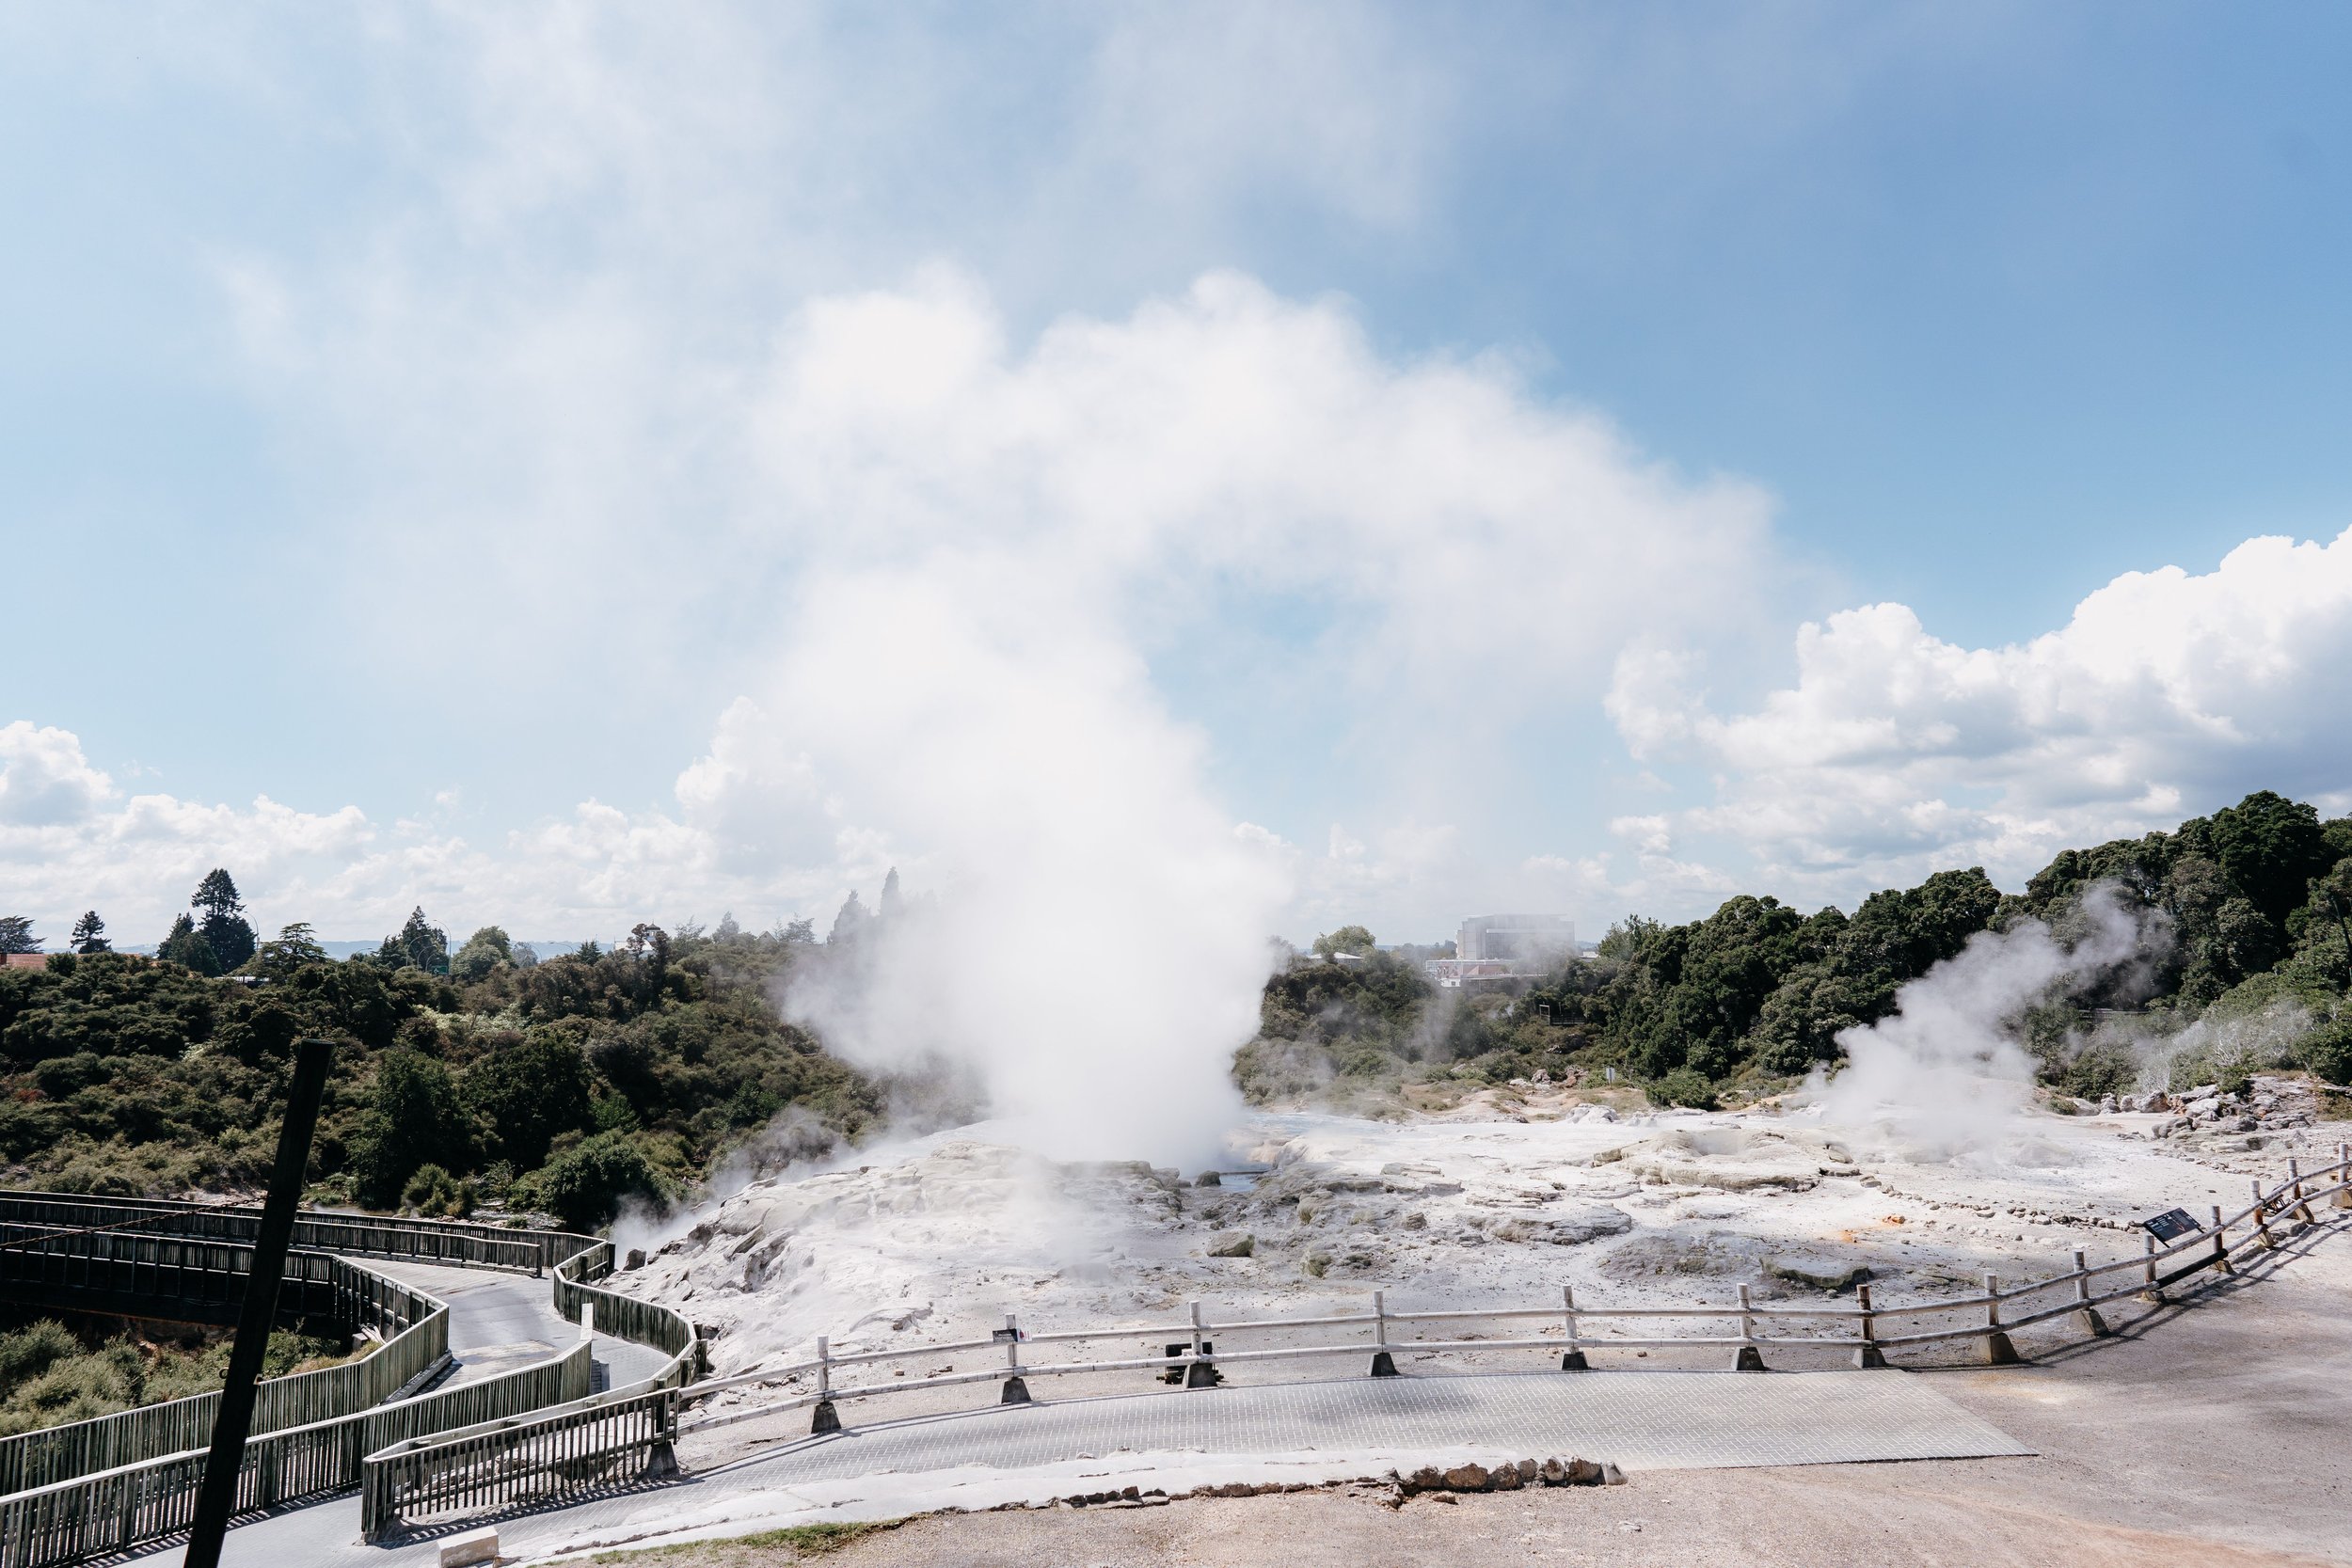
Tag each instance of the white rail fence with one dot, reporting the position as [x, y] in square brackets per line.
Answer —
[1864, 1330]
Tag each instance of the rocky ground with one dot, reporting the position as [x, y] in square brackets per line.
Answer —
[1502, 1201]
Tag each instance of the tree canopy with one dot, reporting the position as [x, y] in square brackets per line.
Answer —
[122, 1074]
[2250, 903]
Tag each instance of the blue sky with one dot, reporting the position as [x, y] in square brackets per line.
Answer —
[367, 440]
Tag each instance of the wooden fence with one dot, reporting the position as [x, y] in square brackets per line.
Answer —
[133, 1274]
[1861, 1330]
[104, 1485]
[622, 1438]
[47, 1527]
[626, 1436]
[456, 1242]
[415, 1328]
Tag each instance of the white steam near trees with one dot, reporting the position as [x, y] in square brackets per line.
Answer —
[1945, 1074]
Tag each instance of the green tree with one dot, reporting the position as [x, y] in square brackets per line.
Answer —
[412, 1119]
[1352, 940]
[583, 1186]
[89, 934]
[2270, 847]
[419, 944]
[16, 934]
[184, 946]
[849, 921]
[483, 951]
[527, 1090]
[228, 935]
[294, 946]
[2330, 911]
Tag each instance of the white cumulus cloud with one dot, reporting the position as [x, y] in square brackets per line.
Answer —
[2165, 694]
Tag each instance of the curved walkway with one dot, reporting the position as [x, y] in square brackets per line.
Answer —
[497, 1322]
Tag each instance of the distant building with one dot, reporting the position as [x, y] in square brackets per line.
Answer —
[1497, 946]
[23, 960]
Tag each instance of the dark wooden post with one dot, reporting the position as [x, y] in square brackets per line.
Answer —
[217, 1497]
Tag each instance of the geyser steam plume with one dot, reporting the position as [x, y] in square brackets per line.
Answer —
[1945, 1074]
[1096, 941]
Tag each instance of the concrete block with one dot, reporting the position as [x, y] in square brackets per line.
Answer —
[469, 1549]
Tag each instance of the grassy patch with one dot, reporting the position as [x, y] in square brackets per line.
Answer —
[802, 1541]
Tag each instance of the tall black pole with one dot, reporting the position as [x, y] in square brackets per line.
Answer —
[218, 1498]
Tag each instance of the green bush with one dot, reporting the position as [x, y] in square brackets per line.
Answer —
[1684, 1087]
[583, 1186]
[434, 1193]
[2325, 1052]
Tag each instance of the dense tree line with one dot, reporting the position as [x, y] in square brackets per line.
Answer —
[2237, 910]
[561, 1085]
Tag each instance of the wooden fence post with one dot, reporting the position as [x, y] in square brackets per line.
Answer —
[1998, 1352]
[1867, 1356]
[2149, 1290]
[2344, 1178]
[1572, 1357]
[827, 1417]
[1383, 1365]
[1747, 1358]
[2262, 1218]
[2085, 1314]
[2295, 1176]
[1016, 1387]
[1199, 1372]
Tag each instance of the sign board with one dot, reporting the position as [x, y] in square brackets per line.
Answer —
[2170, 1226]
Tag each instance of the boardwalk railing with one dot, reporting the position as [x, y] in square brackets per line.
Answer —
[116, 1482]
[415, 1330]
[631, 1318]
[452, 1242]
[626, 1436]
[133, 1504]
[500, 1445]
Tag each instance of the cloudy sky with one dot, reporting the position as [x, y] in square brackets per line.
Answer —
[565, 464]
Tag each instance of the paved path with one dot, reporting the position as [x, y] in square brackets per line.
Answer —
[1358, 1426]
[497, 1322]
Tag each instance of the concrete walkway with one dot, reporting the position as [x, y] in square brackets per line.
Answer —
[1356, 1426]
[500, 1321]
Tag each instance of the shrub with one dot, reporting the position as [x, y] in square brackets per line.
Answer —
[1684, 1087]
[2325, 1052]
[583, 1186]
[433, 1192]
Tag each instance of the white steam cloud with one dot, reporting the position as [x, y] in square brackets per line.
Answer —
[1095, 949]
[1945, 1075]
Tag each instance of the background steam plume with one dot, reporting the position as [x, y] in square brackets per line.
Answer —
[1945, 1074]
